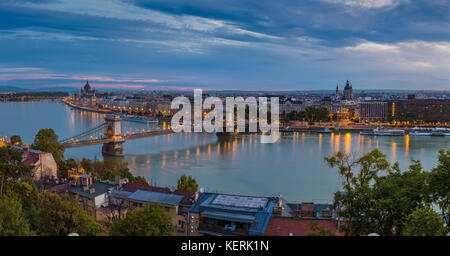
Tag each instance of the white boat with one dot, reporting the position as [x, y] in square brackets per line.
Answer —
[389, 132]
[367, 132]
[326, 130]
[417, 133]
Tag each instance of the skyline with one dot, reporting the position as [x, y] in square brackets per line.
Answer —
[225, 45]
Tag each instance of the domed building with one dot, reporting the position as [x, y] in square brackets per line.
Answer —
[86, 95]
[348, 92]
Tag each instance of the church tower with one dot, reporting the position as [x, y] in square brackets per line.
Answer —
[348, 91]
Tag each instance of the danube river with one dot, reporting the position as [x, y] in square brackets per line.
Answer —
[293, 167]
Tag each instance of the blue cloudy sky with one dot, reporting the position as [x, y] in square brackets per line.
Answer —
[225, 44]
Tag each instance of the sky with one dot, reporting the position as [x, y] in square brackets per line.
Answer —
[225, 44]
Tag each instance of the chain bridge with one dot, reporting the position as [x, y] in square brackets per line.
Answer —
[112, 134]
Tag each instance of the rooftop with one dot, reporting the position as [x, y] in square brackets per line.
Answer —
[243, 209]
[146, 196]
[240, 201]
[187, 195]
[30, 156]
[280, 226]
[100, 188]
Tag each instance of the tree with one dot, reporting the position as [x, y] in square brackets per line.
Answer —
[424, 222]
[25, 192]
[355, 204]
[151, 220]
[65, 167]
[16, 140]
[141, 180]
[12, 219]
[319, 231]
[10, 165]
[62, 215]
[108, 169]
[440, 184]
[46, 140]
[187, 183]
[397, 195]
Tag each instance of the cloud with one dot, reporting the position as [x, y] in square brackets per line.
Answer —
[10, 74]
[116, 9]
[373, 48]
[20, 70]
[366, 3]
[183, 43]
[411, 55]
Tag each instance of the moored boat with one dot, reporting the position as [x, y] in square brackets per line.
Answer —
[326, 130]
[417, 133]
[371, 132]
[389, 132]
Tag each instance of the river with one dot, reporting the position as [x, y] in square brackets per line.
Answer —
[293, 167]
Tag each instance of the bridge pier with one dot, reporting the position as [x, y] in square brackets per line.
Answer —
[113, 131]
[113, 148]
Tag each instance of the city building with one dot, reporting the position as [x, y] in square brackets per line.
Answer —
[175, 202]
[310, 210]
[86, 95]
[44, 165]
[93, 195]
[222, 214]
[373, 111]
[336, 95]
[348, 92]
[289, 105]
[426, 110]
[345, 110]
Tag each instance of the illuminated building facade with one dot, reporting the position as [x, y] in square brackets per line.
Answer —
[373, 110]
[427, 110]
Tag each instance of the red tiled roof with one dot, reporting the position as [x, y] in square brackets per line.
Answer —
[29, 157]
[279, 226]
[187, 194]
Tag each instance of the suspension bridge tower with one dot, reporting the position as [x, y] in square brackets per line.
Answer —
[113, 132]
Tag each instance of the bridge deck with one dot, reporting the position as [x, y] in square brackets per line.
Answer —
[80, 143]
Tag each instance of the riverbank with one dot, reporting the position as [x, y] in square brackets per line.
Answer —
[70, 104]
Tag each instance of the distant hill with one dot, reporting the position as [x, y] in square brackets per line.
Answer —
[12, 89]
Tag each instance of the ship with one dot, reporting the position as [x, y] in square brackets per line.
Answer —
[419, 133]
[389, 132]
[326, 130]
[370, 132]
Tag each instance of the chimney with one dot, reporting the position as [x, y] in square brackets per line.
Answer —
[92, 190]
[307, 209]
[85, 188]
[326, 213]
[196, 194]
[278, 209]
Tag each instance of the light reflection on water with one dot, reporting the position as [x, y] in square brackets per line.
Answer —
[292, 167]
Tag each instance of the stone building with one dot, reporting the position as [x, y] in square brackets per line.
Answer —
[86, 95]
[43, 163]
[348, 92]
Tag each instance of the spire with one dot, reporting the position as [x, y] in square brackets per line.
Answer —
[87, 86]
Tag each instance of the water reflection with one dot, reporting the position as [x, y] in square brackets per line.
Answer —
[293, 167]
